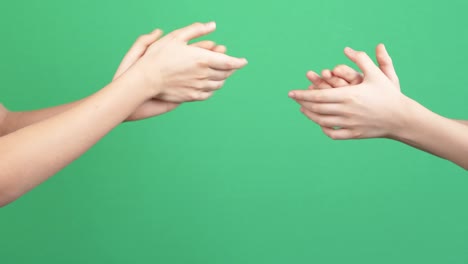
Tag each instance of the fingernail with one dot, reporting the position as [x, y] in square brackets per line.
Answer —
[292, 94]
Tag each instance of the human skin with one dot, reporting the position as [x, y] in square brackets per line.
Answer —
[169, 69]
[12, 121]
[372, 106]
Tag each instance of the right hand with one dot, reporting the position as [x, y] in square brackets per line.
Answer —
[176, 72]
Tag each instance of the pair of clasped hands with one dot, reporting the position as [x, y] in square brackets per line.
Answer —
[363, 107]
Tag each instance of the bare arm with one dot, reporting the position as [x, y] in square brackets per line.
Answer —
[32, 154]
[440, 136]
[376, 108]
[39, 149]
[13, 121]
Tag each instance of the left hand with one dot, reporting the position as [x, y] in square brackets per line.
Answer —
[374, 108]
[154, 107]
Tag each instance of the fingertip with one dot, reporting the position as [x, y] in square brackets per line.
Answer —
[157, 32]
[311, 74]
[220, 49]
[211, 25]
[292, 94]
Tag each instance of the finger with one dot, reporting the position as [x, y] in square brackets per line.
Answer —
[318, 82]
[363, 61]
[220, 49]
[137, 50]
[215, 75]
[348, 74]
[210, 86]
[219, 61]
[339, 134]
[321, 108]
[386, 63]
[204, 95]
[206, 44]
[333, 81]
[210, 45]
[320, 96]
[194, 31]
[323, 120]
[326, 74]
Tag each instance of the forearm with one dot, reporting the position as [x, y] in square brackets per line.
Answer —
[34, 153]
[17, 120]
[435, 134]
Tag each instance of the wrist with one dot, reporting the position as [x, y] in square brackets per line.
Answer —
[410, 120]
[139, 80]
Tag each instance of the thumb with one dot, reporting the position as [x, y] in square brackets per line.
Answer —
[363, 61]
[386, 64]
[137, 51]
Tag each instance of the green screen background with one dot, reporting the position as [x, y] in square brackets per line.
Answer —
[244, 177]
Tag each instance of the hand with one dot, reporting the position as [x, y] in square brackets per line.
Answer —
[183, 72]
[343, 75]
[154, 107]
[374, 108]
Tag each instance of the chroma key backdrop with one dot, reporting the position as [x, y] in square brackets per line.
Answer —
[243, 178]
